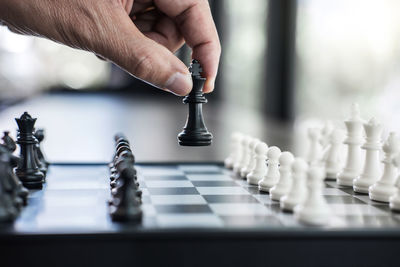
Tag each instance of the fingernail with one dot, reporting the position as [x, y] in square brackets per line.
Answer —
[179, 84]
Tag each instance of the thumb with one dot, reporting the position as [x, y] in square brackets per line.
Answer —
[142, 57]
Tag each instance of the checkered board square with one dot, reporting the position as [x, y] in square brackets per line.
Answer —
[207, 195]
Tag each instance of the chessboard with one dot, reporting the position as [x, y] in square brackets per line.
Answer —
[187, 196]
[195, 206]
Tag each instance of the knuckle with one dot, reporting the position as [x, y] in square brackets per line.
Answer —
[144, 67]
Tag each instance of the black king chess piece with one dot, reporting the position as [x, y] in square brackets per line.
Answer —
[27, 170]
[195, 132]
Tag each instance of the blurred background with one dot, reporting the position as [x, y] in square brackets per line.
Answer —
[285, 65]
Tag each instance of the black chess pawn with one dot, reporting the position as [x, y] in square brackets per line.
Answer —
[195, 132]
[14, 184]
[125, 161]
[125, 205]
[120, 137]
[27, 170]
[41, 160]
[10, 203]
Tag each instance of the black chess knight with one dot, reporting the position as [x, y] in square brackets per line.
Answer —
[41, 161]
[195, 132]
[28, 170]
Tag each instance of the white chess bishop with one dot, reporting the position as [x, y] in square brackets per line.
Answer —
[372, 164]
[315, 209]
[326, 133]
[251, 161]
[243, 158]
[272, 176]
[235, 146]
[285, 180]
[385, 187]
[394, 201]
[352, 169]
[333, 160]
[315, 150]
[298, 190]
[260, 164]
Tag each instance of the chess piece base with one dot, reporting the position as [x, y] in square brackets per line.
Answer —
[316, 216]
[186, 138]
[382, 192]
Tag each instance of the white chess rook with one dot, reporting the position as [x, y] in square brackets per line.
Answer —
[235, 143]
[260, 167]
[314, 210]
[354, 139]
[394, 201]
[285, 179]
[242, 158]
[333, 160]
[372, 164]
[251, 162]
[383, 189]
[298, 190]
[272, 176]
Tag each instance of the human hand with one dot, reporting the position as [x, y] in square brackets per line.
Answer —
[140, 36]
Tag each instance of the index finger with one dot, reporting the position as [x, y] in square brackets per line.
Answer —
[195, 22]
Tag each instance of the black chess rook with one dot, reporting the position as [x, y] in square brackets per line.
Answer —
[28, 170]
[195, 132]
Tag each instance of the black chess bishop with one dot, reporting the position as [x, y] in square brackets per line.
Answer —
[195, 132]
[28, 170]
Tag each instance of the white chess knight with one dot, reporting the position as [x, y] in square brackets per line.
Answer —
[333, 159]
[251, 162]
[385, 187]
[272, 176]
[352, 169]
[235, 146]
[314, 210]
[260, 164]
[243, 158]
[298, 190]
[285, 179]
[372, 164]
[315, 150]
[394, 201]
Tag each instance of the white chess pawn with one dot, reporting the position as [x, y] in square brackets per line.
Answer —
[272, 176]
[298, 190]
[352, 170]
[315, 150]
[242, 159]
[235, 143]
[372, 169]
[260, 166]
[394, 201]
[383, 189]
[285, 180]
[333, 160]
[250, 166]
[314, 210]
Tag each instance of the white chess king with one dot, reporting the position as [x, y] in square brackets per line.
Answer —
[352, 170]
[372, 164]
